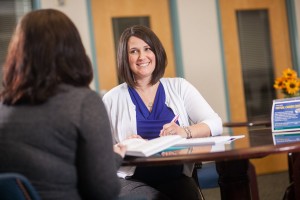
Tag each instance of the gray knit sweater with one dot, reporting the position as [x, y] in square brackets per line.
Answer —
[63, 146]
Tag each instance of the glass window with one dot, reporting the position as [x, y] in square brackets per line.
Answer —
[10, 12]
[257, 62]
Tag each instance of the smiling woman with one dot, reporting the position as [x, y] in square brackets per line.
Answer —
[146, 104]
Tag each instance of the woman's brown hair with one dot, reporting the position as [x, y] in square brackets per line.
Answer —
[46, 50]
[148, 36]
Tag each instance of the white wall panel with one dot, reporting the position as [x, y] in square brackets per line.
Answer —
[76, 10]
[200, 42]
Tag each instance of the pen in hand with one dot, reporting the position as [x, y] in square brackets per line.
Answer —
[175, 119]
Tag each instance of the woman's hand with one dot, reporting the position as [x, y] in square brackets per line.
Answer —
[120, 149]
[134, 136]
[194, 131]
[172, 129]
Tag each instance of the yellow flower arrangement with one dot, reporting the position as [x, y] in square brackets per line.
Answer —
[289, 83]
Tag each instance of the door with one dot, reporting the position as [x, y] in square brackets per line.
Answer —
[257, 49]
[107, 21]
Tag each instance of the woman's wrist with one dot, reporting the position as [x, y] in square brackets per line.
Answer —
[188, 132]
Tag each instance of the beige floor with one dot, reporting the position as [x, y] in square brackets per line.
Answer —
[271, 187]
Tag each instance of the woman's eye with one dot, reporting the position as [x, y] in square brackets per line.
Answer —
[148, 49]
[133, 51]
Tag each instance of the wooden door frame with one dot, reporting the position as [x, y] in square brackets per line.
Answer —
[282, 59]
[231, 49]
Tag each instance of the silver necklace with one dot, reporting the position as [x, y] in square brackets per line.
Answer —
[150, 104]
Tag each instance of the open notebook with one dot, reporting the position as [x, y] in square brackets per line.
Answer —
[145, 148]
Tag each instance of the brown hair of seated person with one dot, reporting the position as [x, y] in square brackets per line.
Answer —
[39, 59]
[147, 35]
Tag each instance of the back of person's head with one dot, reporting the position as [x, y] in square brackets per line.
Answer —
[148, 36]
[46, 50]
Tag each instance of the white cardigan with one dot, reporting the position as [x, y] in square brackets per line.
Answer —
[181, 96]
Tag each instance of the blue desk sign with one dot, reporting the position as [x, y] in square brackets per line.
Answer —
[286, 137]
[286, 114]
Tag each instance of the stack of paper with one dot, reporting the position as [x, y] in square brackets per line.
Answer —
[207, 140]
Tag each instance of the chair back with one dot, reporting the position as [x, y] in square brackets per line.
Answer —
[15, 186]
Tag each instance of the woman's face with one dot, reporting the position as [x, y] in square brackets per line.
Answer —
[141, 58]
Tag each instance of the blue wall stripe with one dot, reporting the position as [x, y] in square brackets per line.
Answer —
[176, 38]
[93, 48]
[36, 4]
[294, 40]
[224, 71]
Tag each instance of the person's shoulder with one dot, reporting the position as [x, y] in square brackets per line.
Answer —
[77, 93]
[173, 81]
[73, 96]
[116, 91]
[74, 89]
